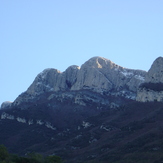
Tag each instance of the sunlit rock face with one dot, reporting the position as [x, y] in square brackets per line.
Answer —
[46, 81]
[53, 80]
[152, 88]
[98, 74]
[155, 73]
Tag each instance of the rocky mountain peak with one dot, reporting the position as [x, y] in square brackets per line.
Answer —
[152, 88]
[73, 67]
[98, 74]
[44, 81]
[99, 62]
[102, 75]
[5, 104]
[155, 73]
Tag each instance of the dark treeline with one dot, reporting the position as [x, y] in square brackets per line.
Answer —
[6, 157]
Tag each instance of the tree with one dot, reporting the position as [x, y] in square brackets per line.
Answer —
[35, 157]
[53, 159]
[3, 153]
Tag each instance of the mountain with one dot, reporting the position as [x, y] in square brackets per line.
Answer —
[93, 113]
[152, 88]
[98, 75]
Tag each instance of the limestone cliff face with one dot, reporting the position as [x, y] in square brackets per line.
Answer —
[155, 73]
[100, 74]
[97, 74]
[71, 75]
[53, 80]
[152, 88]
[5, 104]
[146, 95]
[44, 82]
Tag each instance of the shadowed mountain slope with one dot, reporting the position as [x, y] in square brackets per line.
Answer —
[87, 114]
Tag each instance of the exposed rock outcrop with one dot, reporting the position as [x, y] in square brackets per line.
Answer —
[5, 104]
[146, 95]
[53, 80]
[97, 74]
[48, 80]
[152, 88]
[102, 75]
[155, 73]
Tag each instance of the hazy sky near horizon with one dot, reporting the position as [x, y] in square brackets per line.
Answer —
[39, 34]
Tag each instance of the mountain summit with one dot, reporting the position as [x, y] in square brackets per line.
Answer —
[152, 88]
[102, 75]
[98, 74]
[155, 73]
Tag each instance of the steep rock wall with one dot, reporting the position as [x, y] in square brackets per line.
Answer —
[152, 88]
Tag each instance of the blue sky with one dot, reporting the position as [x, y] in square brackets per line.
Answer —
[39, 34]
